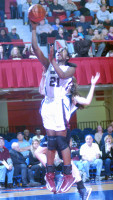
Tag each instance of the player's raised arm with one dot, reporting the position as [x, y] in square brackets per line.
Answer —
[45, 62]
[88, 99]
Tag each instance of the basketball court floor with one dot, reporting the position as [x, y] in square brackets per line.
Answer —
[100, 191]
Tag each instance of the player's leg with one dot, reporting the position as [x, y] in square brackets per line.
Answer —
[68, 179]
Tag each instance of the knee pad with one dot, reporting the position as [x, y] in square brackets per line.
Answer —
[52, 142]
[61, 142]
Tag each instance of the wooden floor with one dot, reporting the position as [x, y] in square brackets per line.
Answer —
[100, 191]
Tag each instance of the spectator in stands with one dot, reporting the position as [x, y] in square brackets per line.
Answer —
[91, 154]
[110, 33]
[28, 53]
[19, 7]
[2, 13]
[13, 9]
[97, 25]
[5, 38]
[104, 34]
[6, 166]
[38, 135]
[27, 136]
[57, 24]
[45, 6]
[15, 54]
[74, 37]
[89, 35]
[109, 132]
[25, 8]
[104, 16]
[56, 8]
[35, 165]
[93, 7]
[43, 31]
[70, 8]
[98, 135]
[75, 156]
[107, 155]
[19, 162]
[85, 25]
[62, 34]
[23, 144]
[62, 2]
[13, 34]
[3, 56]
[100, 46]
[110, 53]
[80, 31]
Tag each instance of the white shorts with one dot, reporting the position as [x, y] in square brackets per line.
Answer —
[53, 115]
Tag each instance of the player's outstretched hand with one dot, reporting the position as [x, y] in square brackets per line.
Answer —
[95, 78]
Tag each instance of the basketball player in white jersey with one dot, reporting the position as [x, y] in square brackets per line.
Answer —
[58, 75]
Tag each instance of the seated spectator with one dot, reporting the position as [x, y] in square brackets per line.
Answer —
[56, 8]
[93, 7]
[97, 46]
[6, 166]
[98, 135]
[75, 156]
[97, 25]
[90, 34]
[15, 54]
[85, 25]
[71, 8]
[13, 9]
[28, 53]
[104, 34]
[110, 33]
[107, 155]
[5, 38]
[19, 162]
[35, 165]
[91, 154]
[110, 53]
[27, 136]
[80, 31]
[104, 16]
[25, 8]
[23, 144]
[2, 12]
[43, 31]
[19, 7]
[62, 2]
[62, 34]
[46, 7]
[109, 132]
[57, 24]
[38, 135]
[13, 34]
[3, 56]
[74, 37]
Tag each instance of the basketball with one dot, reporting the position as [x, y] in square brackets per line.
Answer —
[36, 13]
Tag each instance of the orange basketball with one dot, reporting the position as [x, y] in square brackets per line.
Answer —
[36, 13]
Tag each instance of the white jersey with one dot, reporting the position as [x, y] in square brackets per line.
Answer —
[55, 86]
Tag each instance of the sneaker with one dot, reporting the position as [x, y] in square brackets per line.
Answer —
[34, 184]
[67, 182]
[9, 185]
[85, 193]
[50, 182]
